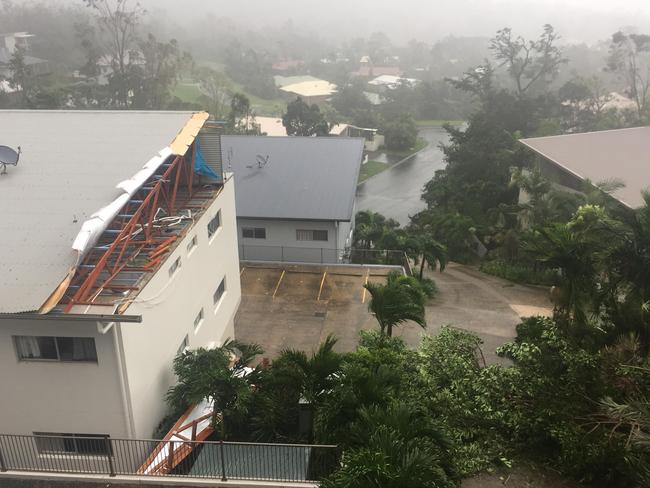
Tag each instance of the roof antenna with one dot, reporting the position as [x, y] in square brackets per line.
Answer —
[8, 156]
[229, 156]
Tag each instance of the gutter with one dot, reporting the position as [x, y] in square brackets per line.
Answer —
[73, 317]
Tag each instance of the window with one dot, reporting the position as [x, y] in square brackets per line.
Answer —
[198, 320]
[221, 289]
[192, 244]
[254, 232]
[55, 443]
[214, 224]
[184, 345]
[43, 348]
[174, 267]
[311, 235]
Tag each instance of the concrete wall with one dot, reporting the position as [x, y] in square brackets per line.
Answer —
[169, 305]
[281, 243]
[44, 396]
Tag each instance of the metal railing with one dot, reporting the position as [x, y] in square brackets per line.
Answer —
[322, 255]
[133, 457]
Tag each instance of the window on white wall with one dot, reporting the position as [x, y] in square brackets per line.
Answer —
[192, 244]
[311, 235]
[198, 320]
[214, 224]
[57, 443]
[64, 349]
[174, 267]
[184, 345]
[221, 289]
[254, 232]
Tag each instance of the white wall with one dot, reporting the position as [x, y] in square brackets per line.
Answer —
[281, 243]
[169, 306]
[44, 396]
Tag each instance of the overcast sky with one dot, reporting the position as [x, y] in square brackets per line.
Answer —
[426, 20]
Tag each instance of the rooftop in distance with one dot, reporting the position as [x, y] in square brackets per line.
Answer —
[622, 154]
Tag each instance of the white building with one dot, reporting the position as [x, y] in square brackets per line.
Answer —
[295, 195]
[116, 255]
[272, 126]
[9, 43]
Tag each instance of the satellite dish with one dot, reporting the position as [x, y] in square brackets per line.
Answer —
[8, 156]
[261, 161]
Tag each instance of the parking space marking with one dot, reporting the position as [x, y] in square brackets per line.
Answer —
[320, 290]
[278, 285]
[363, 296]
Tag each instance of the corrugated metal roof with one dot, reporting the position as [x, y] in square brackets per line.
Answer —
[68, 169]
[622, 154]
[310, 178]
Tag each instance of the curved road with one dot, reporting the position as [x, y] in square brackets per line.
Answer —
[396, 192]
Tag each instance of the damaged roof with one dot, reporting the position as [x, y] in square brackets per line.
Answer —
[306, 178]
[69, 166]
[621, 154]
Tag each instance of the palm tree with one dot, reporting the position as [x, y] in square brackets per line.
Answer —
[369, 227]
[434, 254]
[221, 375]
[393, 447]
[400, 299]
[317, 371]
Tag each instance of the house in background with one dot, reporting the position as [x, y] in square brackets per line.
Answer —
[284, 65]
[295, 196]
[373, 141]
[9, 43]
[119, 250]
[612, 155]
[312, 92]
[272, 126]
[390, 82]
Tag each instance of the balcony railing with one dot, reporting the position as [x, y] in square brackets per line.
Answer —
[323, 255]
[208, 460]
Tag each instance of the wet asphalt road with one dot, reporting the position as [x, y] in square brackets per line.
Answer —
[396, 192]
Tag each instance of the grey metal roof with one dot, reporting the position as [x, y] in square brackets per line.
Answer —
[622, 154]
[68, 169]
[306, 178]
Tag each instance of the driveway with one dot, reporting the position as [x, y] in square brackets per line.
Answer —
[298, 306]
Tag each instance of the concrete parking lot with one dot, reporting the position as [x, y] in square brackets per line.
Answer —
[298, 306]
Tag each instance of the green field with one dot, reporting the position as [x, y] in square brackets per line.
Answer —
[188, 92]
[371, 168]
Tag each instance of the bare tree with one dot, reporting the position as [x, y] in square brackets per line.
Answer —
[528, 62]
[629, 56]
[118, 20]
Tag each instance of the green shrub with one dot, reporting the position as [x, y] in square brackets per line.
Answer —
[519, 273]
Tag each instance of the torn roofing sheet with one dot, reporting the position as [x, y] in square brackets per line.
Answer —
[70, 165]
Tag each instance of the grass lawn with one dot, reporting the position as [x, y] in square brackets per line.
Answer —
[419, 145]
[437, 123]
[371, 168]
[187, 92]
